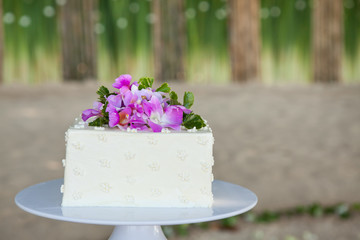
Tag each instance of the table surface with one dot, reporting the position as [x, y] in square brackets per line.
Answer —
[44, 199]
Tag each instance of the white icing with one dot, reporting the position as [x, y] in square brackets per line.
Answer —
[142, 169]
[78, 172]
[165, 130]
[152, 140]
[102, 138]
[129, 156]
[181, 155]
[154, 166]
[192, 130]
[104, 163]
[105, 187]
[77, 195]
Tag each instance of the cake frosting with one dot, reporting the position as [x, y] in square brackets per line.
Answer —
[111, 167]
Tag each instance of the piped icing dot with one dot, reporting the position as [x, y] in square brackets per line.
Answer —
[105, 187]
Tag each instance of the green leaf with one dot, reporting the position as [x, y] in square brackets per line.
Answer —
[193, 120]
[105, 119]
[164, 88]
[229, 222]
[145, 82]
[183, 230]
[174, 98]
[173, 95]
[96, 123]
[188, 99]
[103, 92]
[315, 210]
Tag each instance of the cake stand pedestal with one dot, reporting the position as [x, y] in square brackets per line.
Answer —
[44, 199]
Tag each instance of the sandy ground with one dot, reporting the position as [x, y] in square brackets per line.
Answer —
[291, 145]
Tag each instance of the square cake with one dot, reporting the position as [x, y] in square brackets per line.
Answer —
[110, 167]
[139, 147]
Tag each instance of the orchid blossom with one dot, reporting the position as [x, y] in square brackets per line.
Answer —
[93, 113]
[159, 118]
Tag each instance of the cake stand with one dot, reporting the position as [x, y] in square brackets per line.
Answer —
[44, 199]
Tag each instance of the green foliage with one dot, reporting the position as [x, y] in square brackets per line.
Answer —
[193, 120]
[230, 222]
[188, 99]
[168, 231]
[342, 210]
[202, 225]
[356, 206]
[96, 123]
[183, 230]
[145, 82]
[267, 217]
[103, 92]
[164, 88]
[174, 98]
[315, 210]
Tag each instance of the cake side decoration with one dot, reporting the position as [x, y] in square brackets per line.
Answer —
[137, 106]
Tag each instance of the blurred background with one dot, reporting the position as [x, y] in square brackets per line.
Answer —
[278, 81]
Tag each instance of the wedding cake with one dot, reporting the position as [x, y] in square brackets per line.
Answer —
[139, 147]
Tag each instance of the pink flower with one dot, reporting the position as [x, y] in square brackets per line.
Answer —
[115, 101]
[95, 112]
[122, 81]
[116, 117]
[158, 118]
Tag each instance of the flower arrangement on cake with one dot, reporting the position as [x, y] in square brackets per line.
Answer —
[137, 106]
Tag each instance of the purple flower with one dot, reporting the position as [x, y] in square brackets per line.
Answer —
[124, 116]
[122, 81]
[146, 93]
[113, 116]
[95, 112]
[184, 109]
[115, 101]
[129, 98]
[116, 117]
[158, 118]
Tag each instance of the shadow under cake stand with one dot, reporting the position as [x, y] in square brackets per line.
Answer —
[44, 199]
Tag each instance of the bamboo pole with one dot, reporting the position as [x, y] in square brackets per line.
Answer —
[1, 44]
[244, 28]
[78, 40]
[169, 39]
[327, 40]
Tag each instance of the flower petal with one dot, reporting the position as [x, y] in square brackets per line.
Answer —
[155, 127]
[114, 117]
[115, 100]
[172, 115]
[173, 126]
[98, 106]
[184, 109]
[129, 98]
[156, 106]
[124, 116]
[122, 80]
[88, 113]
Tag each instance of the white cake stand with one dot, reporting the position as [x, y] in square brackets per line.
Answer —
[44, 199]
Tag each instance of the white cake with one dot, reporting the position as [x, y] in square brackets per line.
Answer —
[113, 167]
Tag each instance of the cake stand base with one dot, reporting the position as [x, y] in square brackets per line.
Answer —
[137, 232]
